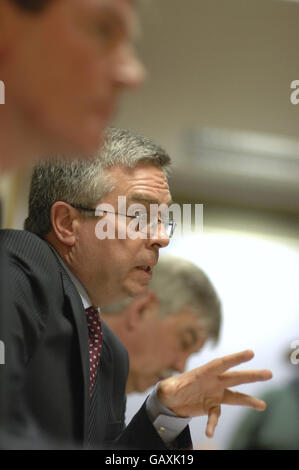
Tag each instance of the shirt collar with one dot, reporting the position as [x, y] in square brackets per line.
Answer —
[80, 288]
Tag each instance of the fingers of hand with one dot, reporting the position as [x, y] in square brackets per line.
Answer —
[221, 364]
[230, 379]
[231, 398]
[214, 414]
[241, 399]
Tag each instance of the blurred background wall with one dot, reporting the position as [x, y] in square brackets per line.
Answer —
[218, 98]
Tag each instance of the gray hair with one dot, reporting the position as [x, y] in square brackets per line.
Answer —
[179, 284]
[85, 182]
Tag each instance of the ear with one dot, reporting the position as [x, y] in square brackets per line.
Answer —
[64, 221]
[140, 310]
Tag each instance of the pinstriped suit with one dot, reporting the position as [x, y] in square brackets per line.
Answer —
[50, 359]
[3, 302]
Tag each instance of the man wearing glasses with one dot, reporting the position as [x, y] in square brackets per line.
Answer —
[63, 66]
[76, 367]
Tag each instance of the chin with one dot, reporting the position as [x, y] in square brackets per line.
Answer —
[84, 143]
[132, 288]
[94, 139]
[142, 290]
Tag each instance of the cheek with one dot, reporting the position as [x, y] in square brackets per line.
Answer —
[82, 55]
[79, 84]
[128, 251]
[71, 65]
[88, 251]
[87, 70]
[169, 349]
[115, 258]
[159, 353]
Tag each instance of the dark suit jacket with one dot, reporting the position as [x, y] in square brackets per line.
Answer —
[48, 366]
[3, 302]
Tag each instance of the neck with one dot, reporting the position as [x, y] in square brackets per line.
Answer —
[18, 143]
[129, 386]
[15, 148]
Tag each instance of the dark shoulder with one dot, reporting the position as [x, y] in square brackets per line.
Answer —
[27, 253]
[31, 279]
[116, 347]
[23, 246]
[21, 241]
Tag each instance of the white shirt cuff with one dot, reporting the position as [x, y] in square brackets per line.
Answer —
[168, 425]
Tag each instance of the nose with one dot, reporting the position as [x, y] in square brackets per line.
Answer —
[130, 72]
[180, 363]
[160, 237]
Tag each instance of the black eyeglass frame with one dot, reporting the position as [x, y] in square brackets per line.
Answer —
[171, 223]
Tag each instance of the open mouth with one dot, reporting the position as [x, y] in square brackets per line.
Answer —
[147, 269]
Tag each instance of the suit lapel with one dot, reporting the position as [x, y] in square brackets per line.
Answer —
[102, 392]
[106, 353]
[82, 331]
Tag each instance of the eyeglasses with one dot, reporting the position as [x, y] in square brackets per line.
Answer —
[145, 223]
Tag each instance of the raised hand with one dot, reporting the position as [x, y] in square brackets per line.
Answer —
[203, 390]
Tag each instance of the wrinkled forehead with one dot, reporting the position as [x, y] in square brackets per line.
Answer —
[186, 317]
[146, 182]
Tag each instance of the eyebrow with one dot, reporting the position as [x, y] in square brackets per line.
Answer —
[141, 197]
[132, 29]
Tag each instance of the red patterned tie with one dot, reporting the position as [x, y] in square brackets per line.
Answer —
[95, 343]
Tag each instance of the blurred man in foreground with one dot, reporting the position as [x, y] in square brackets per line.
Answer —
[160, 330]
[64, 64]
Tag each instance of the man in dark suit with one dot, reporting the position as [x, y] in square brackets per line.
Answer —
[48, 51]
[83, 257]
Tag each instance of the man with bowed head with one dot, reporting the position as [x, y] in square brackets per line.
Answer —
[163, 328]
[70, 273]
